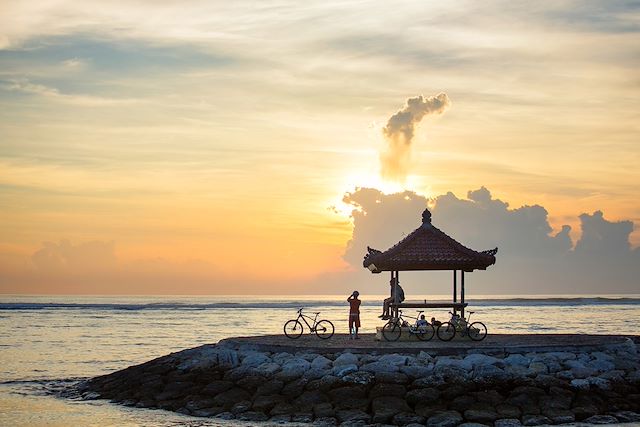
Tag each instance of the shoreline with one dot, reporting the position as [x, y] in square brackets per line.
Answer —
[508, 381]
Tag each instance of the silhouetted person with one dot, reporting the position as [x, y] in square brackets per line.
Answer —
[385, 306]
[354, 315]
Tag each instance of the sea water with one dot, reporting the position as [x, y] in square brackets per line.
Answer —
[47, 343]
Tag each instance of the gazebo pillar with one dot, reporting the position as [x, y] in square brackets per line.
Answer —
[462, 291]
[455, 285]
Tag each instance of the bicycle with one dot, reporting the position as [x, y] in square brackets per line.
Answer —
[392, 330]
[477, 331]
[324, 329]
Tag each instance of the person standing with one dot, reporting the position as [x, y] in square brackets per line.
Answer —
[354, 315]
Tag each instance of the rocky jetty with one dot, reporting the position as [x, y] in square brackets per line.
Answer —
[244, 382]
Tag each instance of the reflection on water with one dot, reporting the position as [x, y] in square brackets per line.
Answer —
[40, 342]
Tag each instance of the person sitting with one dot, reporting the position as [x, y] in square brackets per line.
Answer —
[421, 322]
[396, 290]
[435, 323]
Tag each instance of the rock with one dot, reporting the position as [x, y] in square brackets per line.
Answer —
[250, 383]
[315, 373]
[428, 409]
[360, 377]
[230, 397]
[391, 378]
[384, 389]
[293, 368]
[342, 370]
[228, 358]
[266, 403]
[445, 419]
[376, 367]
[627, 416]
[280, 419]
[517, 360]
[350, 415]
[267, 369]
[559, 416]
[281, 358]
[580, 384]
[252, 416]
[601, 365]
[452, 374]
[323, 410]
[462, 403]
[482, 416]
[226, 416]
[328, 382]
[407, 418]
[325, 421]
[601, 419]
[294, 388]
[240, 407]
[255, 359]
[507, 410]
[600, 383]
[535, 420]
[385, 407]
[282, 408]
[472, 425]
[507, 422]
[393, 359]
[422, 395]
[197, 404]
[416, 371]
[482, 359]
[308, 399]
[454, 363]
[424, 358]
[321, 362]
[302, 418]
[536, 368]
[207, 412]
[489, 373]
[270, 387]
[341, 394]
[346, 359]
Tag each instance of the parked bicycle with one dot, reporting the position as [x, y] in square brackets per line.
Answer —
[324, 329]
[477, 331]
[392, 330]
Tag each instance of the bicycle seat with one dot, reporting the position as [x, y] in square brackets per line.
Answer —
[317, 313]
[471, 312]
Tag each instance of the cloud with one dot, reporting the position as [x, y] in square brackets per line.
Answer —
[65, 257]
[25, 86]
[400, 130]
[532, 258]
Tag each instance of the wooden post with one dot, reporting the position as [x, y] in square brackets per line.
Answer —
[462, 291]
[455, 288]
[395, 294]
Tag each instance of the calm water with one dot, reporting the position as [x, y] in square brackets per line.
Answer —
[47, 341]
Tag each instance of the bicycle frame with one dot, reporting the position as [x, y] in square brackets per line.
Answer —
[304, 319]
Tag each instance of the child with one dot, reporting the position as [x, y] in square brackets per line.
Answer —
[354, 315]
[421, 322]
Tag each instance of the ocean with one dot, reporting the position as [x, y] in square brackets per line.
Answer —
[47, 342]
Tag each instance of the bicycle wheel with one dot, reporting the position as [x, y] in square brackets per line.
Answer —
[324, 329]
[477, 331]
[425, 332]
[293, 329]
[392, 330]
[446, 331]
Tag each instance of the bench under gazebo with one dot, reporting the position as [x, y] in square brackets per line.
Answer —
[428, 248]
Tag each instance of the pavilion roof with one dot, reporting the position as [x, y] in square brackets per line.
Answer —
[428, 248]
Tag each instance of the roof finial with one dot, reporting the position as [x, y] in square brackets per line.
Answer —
[426, 216]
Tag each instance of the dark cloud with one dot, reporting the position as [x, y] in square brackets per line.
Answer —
[400, 130]
[533, 259]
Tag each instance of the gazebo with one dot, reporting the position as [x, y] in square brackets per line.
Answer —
[428, 248]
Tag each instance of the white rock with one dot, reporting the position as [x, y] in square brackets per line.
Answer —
[294, 367]
[346, 359]
[393, 359]
[342, 370]
[424, 358]
[321, 362]
[255, 359]
[517, 359]
[228, 358]
[482, 360]
[455, 363]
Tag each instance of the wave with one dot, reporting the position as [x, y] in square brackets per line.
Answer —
[309, 304]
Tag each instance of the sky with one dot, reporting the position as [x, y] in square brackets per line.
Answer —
[203, 147]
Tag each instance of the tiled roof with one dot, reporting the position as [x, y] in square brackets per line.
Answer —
[428, 248]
